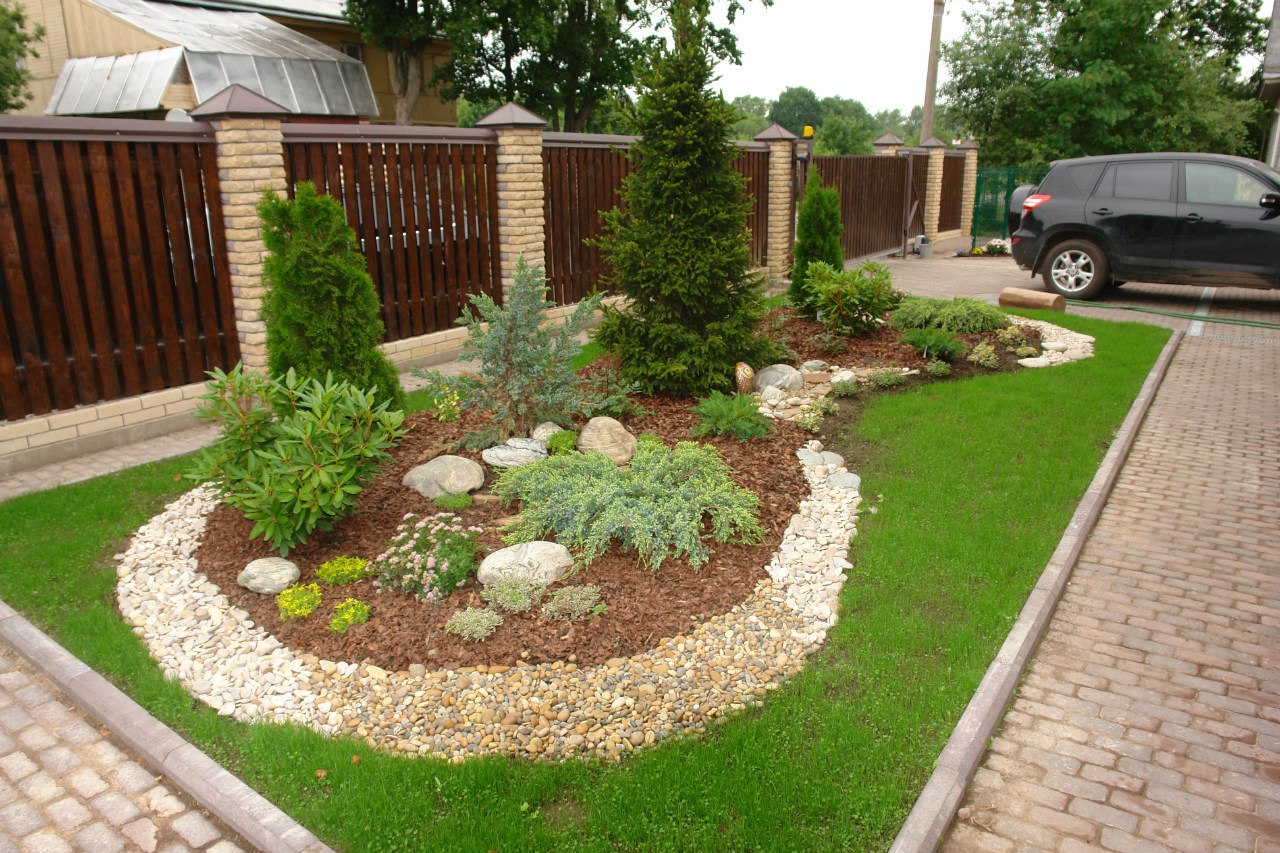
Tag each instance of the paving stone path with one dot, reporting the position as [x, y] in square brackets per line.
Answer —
[65, 787]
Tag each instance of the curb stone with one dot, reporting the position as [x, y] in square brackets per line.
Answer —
[243, 810]
[959, 760]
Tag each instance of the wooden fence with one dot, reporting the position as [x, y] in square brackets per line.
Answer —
[423, 203]
[115, 278]
[875, 194]
[952, 191]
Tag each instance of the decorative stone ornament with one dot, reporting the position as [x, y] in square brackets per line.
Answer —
[744, 377]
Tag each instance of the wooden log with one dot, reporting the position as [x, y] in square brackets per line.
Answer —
[1020, 297]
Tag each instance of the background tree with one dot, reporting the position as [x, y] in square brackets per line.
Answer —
[843, 135]
[753, 116]
[403, 28]
[680, 251]
[1036, 81]
[16, 45]
[795, 108]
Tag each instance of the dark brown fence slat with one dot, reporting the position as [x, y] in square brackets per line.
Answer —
[26, 357]
[396, 238]
[188, 320]
[491, 223]
[872, 198]
[207, 181]
[135, 267]
[952, 192]
[126, 351]
[171, 361]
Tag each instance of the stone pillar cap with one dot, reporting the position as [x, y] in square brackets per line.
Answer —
[933, 142]
[888, 139]
[775, 133]
[236, 100]
[512, 114]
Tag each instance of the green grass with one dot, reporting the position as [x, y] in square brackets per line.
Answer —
[978, 479]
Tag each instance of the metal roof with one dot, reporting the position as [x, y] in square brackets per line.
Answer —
[114, 84]
[1271, 64]
[221, 48]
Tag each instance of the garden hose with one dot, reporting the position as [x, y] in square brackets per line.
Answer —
[1230, 321]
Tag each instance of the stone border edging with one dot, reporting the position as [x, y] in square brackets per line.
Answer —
[936, 806]
[216, 789]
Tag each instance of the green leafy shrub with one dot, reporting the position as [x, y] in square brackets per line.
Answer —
[846, 388]
[293, 453]
[514, 595]
[852, 302]
[812, 414]
[564, 441]
[319, 304]
[679, 247]
[818, 232]
[454, 503]
[658, 505]
[888, 377]
[961, 316]
[737, 415]
[428, 558]
[1026, 352]
[829, 343]
[937, 369]
[1011, 337]
[526, 362]
[351, 611]
[342, 570]
[574, 602]
[298, 601]
[444, 396]
[934, 343]
[474, 623]
[984, 355]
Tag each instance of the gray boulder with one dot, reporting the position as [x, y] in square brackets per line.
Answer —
[445, 475]
[845, 376]
[845, 480]
[816, 365]
[534, 445]
[545, 430]
[511, 456]
[782, 376]
[269, 576]
[809, 457]
[541, 562]
[607, 436]
[772, 396]
[835, 460]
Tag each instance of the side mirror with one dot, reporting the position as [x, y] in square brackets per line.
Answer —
[1271, 201]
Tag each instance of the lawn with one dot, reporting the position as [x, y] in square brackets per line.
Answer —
[973, 483]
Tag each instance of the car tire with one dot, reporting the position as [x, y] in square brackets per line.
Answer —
[1077, 269]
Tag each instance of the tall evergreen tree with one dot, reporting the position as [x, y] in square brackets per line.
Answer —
[681, 249]
[818, 233]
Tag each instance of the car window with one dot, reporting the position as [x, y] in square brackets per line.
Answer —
[1072, 181]
[1149, 181]
[1214, 183]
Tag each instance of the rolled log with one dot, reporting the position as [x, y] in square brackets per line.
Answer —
[1020, 297]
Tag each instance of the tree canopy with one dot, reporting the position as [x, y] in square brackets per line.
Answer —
[16, 44]
[403, 28]
[795, 108]
[1037, 81]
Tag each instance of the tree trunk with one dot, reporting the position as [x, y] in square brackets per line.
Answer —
[406, 82]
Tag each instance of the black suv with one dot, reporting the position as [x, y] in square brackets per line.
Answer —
[1205, 219]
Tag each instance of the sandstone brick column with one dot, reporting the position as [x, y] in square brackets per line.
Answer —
[782, 156]
[250, 160]
[887, 145]
[521, 220]
[933, 187]
[970, 188]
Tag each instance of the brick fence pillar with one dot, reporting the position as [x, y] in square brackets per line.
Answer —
[887, 145]
[782, 156]
[970, 189]
[933, 187]
[521, 219]
[250, 160]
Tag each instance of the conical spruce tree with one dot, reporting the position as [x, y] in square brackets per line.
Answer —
[681, 249]
[818, 233]
[320, 306]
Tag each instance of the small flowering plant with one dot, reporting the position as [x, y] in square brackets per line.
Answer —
[428, 558]
[997, 247]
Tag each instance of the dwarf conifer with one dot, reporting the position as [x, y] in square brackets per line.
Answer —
[818, 233]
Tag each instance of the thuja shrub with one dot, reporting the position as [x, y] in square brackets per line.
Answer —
[319, 303]
[679, 249]
[428, 558]
[657, 506]
[852, 302]
[737, 415]
[294, 453]
[818, 233]
[961, 316]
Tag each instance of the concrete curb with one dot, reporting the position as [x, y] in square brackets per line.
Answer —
[244, 810]
[937, 804]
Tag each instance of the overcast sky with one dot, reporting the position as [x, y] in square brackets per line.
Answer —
[869, 50]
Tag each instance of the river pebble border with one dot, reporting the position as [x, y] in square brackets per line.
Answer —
[551, 711]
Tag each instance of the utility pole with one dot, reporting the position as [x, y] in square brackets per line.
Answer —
[931, 80]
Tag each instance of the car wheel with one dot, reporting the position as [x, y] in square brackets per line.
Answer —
[1077, 269]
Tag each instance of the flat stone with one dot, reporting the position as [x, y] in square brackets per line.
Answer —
[1053, 346]
[835, 460]
[543, 562]
[269, 575]
[815, 365]
[1038, 361]
[809, 457]
[844, 376]
[782, 376]
[533, 445]
[772, 396]
[445, 475]
[545, 430]
[1077, 354]
[816, 377]
[607, 436]
[507, 456]
[845, 480]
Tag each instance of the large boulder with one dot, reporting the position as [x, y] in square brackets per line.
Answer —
[269, 575]
[607, 436]
[782, 376]
[516, 452]
[445, 475]
[545, 430]
[540, 562]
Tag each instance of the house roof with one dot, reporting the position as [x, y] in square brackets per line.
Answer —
[1271, 64]
[220, 48]
[308, 10]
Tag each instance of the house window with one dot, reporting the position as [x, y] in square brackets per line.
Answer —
[355, 51]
